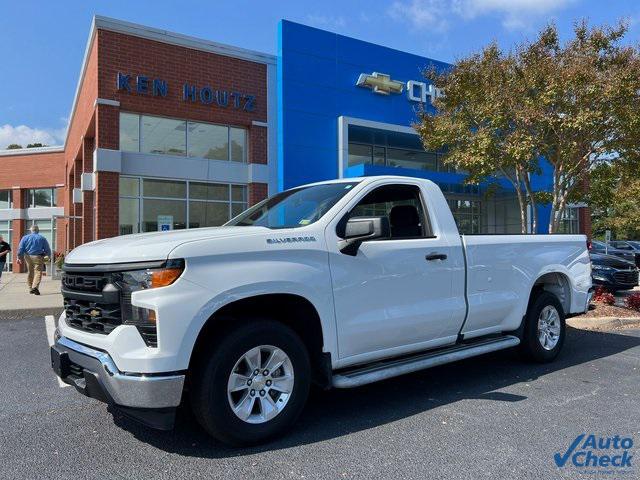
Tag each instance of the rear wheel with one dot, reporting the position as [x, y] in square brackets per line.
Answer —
[254, 385]
[544, 329]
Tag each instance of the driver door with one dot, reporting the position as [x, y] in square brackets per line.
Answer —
[389, 297]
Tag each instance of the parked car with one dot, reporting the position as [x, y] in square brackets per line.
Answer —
[342, 283]
[628, 246]
[601, 247]
[613, 272]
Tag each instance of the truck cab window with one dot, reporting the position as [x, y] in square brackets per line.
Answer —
[402, 206]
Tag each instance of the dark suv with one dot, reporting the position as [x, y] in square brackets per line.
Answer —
[601, 247]
[612, 272]
[630, 246]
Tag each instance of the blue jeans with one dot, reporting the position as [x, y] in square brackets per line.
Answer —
[1, 268]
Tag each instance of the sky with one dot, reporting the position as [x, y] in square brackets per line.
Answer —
[42, 43]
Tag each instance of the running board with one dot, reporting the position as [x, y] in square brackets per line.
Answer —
[396, 367]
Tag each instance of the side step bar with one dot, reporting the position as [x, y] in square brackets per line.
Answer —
[396, 367]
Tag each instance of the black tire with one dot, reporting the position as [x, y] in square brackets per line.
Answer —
[209, 400]
[530, 346]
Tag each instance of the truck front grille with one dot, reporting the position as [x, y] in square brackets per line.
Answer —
[92, 316]
[626, 278]
[94, 302]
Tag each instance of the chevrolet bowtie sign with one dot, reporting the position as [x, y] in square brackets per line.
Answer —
[382, 84]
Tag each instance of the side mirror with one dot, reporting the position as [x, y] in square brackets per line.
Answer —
[359, 229]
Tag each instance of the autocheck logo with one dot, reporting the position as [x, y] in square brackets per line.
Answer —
[597, 453]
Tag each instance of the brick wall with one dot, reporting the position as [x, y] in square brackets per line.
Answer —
[258, 144]
[257, 192]
[584, 220]
[32, 170]
[107, 205]
[177, 65]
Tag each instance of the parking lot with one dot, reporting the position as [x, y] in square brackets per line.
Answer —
[490, 417]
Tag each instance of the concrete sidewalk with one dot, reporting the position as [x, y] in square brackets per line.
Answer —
[14, 294]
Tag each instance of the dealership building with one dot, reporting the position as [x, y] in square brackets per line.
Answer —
[170, 132]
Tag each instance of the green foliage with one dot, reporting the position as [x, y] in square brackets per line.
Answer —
[36, 145]
[13, 146]
[573, 104]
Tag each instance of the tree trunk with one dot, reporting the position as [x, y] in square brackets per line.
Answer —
[522, 202]
[532, 202]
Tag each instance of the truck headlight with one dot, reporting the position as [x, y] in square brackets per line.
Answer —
[144, 279]
[134, 280]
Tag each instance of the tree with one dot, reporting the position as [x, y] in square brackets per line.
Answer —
[13, 146]
[579, 96]
[36, 145]
[573, 104]
[613, 196]
[474, 123]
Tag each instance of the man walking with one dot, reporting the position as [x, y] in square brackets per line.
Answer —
[33, 249]
[5, 249]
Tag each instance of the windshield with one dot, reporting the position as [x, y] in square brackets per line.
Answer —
[294, 208]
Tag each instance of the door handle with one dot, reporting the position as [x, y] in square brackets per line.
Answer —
[436, 256]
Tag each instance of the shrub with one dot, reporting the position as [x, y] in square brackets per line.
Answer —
[608, 298]
[599, 293]
[633, 301]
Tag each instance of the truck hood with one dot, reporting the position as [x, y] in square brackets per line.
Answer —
[149, 246]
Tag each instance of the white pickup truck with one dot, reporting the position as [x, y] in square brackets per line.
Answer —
[340, 283]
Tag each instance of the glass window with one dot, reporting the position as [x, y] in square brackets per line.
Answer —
[46, 230]
[209, 191]
[393, 149]
[173, 211]
[129, 216]
[238, 193]
[208, 141]
[5, 233]
[5, 199]
[129, 132]
[359, 154]
[42, 197]
[210, 204]
[163, 135]
[164, 188]
[400, 204]
[237, 137]
[129, 187]
[208, 214]
[294, 208]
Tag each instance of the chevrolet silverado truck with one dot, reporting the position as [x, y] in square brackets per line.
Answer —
[339, 283]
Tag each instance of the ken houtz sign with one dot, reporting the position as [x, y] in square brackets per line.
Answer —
[207, 95]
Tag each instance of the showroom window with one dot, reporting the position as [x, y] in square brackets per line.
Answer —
[46, 228]
[5, 199]
[42, 197]
[169, 136]
[467, 214]
[372, 146]
[5, 232]
[569, 222]
[148, 204]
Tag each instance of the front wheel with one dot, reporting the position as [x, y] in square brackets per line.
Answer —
[544, 329]
[254, 385]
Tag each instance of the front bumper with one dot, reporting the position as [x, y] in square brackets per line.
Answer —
[608, 280]
[149, 398]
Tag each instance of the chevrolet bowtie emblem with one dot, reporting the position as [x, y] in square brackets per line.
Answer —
[380, 83]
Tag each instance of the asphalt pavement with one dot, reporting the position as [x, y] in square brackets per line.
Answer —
[489, 417]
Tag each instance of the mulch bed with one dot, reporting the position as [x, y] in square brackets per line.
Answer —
[597, 309]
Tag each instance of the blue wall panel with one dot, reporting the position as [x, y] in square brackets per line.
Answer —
[317, 74]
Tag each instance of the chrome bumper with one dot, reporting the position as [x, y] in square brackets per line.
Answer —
[94, 374]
